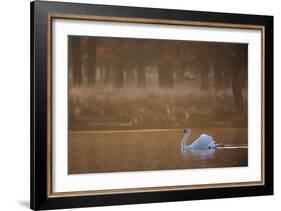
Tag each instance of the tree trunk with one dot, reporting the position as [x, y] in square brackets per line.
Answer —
[237, 91]
[76, 60]
[130, 77]
[205, 76]
[91, 63]
[118, 76]
[238, 76]
[165, 75]
[107, 76]
[141, 76]
[218, 76]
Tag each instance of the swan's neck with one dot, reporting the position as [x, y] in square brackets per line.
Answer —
[184, 140]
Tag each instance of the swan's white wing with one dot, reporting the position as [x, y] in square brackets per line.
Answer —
[202, 142]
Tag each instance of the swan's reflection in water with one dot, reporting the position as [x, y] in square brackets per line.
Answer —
[200, 153]
[226, 155]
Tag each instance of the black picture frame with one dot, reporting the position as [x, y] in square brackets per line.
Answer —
[40, 182]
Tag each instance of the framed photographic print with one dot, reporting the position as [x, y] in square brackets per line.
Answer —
[139, 105]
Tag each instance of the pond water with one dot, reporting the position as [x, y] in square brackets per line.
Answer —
[121, 151]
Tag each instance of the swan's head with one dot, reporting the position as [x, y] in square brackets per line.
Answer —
[186, 130]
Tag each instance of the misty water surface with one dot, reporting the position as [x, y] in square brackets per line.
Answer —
[117, 151]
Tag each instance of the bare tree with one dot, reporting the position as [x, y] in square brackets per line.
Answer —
[91, 61]
[238, 77]
[75, 59]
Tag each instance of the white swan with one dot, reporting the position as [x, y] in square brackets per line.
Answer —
[203, 142]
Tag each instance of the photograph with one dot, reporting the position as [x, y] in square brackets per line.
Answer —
[133, 105]
[137, 104]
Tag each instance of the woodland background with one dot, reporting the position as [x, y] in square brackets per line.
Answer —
[123, 83]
